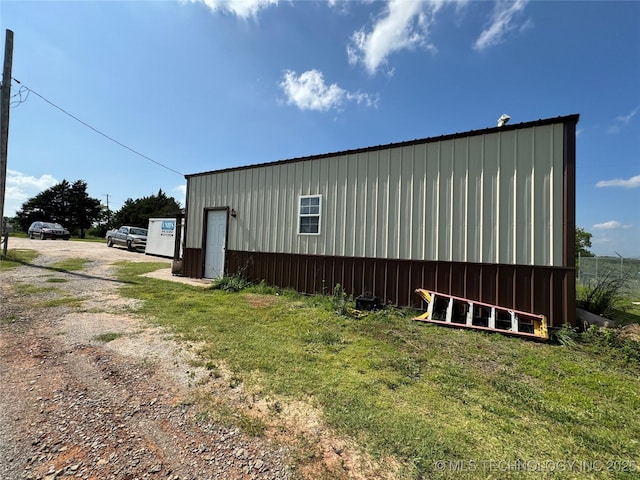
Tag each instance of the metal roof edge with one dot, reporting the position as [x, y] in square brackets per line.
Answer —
[573, 118]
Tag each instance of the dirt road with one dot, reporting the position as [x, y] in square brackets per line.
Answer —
[73, 405]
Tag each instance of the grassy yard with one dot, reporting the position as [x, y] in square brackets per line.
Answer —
[15, 258]
[423, 401]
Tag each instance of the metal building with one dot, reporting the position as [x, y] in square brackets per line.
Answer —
[487, 215]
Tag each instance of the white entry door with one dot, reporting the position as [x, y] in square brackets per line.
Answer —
[215, 246]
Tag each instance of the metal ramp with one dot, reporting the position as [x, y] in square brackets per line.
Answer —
[459, 312]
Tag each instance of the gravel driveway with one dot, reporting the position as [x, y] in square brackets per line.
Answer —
[73, 406]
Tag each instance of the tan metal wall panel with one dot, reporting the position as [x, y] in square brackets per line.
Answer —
[491, 198]
[524, 199]
[382, 192]
[432, 201]
[393, 215]
[490, 177]
[542, 199]
[460, 200]
[506, 191]
[418, 202]
[558, 174]
[474, 199]
[405, 222]
[445, 190]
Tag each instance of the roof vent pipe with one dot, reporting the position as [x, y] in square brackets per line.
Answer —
[503, 120]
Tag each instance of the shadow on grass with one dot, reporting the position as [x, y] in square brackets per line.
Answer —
[68, 272]
[625, 317]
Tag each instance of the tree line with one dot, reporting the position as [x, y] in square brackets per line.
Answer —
[69, 204]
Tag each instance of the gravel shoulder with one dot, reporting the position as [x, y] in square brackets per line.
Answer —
[75, 406]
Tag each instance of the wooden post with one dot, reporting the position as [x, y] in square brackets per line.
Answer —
[5, 98]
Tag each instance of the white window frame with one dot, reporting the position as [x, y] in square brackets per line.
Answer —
[307, 215]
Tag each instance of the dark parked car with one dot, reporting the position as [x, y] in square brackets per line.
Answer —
[46, 230]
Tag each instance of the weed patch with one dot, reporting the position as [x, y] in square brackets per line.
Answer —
[17, 257]
[107, 337]
[69, 265]
[71, 302]
[230, 283]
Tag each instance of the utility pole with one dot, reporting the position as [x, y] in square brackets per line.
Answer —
[5, 98]
[108, 222]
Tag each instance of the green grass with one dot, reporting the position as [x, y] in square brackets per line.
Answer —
[107, 337]
[627, 312]
[88, 238]
[416, 392]
[9, 319]
[61, 299]
[56, 280]
[70, 302]
[29, 289]
[69, 265]
[16, 257]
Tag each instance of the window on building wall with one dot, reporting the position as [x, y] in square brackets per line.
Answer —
[310, 208]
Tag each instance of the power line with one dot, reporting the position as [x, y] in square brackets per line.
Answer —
[96, 130]
[21, 91]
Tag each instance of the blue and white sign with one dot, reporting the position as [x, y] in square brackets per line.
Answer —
[168, 228]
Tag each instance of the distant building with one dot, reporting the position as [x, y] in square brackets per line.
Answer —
[487, 215]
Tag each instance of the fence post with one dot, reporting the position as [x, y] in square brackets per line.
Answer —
[579, 268]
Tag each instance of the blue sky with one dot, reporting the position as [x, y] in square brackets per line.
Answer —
[199, 85]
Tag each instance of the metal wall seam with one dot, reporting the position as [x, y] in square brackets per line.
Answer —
[411, 222]
[360, 210]
[481, 225]
[558, 259]
[375, 200]
[386, 206]
[465, 255]
[451, 209]
[497, 206]
[532, 245]
[514, 235]
[552, 202]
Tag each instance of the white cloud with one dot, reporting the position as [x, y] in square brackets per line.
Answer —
[241, 8]
[633, 182]
[625, 119]
[622, 121]
[405, 25]
[308, 91]
[502, 22]
[610, 225]
[21, 187]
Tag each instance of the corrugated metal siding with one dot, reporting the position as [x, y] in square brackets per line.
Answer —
[493, 198]
[539, 289]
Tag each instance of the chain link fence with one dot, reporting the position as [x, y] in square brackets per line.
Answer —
[591, 270]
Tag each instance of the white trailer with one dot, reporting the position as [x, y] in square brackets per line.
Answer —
[161, 237]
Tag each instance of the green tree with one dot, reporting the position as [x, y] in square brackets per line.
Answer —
[65, 203]
[583, 243]
[138, 212]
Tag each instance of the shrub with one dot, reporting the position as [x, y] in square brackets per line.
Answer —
[339, 300]
[602, 296]
[231, 283]
[264, 288]
[611, 342]
[566, 335]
